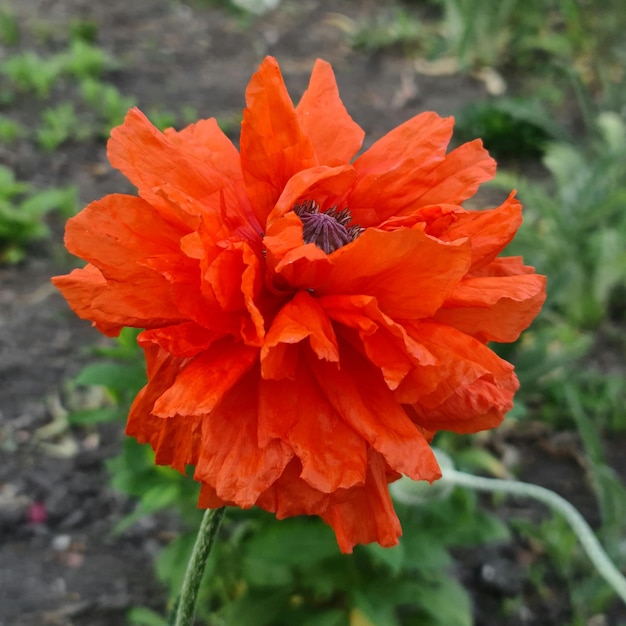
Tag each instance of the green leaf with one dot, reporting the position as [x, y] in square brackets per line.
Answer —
[102, 415]
[392, 558]
[64, 199]
[443, 601]
[259, 609]
[157, 497]
[114, 376]
[171, 563]
[375, 607]
[422, 550]
[294, 541]
[142, 616]
[333, 617]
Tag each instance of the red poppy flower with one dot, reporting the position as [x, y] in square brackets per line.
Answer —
[311, 318]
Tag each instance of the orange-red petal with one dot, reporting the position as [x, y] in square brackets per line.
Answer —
[358, 393]
[273, 145]
[174, 442]
[398, 168]
[335, 136]
[82, 288]
[201, 385]
[183, 340]
[489, 232]
[364, 514]
[292, 264]
[152, 160]
[322, 184]
[459, 175]
[301, 318]
[383, 341]
[231, 459]
[332, 454]
[475, 387]
[494, 308]
[409, 273]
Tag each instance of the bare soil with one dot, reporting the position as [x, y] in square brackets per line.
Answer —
[59, 563]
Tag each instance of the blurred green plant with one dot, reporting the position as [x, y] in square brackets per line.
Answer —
[566, 567]
[107, 101]
[27, 72]
[59, 125]
[120, 371]
[23, 211]
[85, 60]
[30, 73]
[513, 31]
[142, 616]
[576, 224]
[291, 572]
[10, 130]
[397, 29]
[479, 33]
[84, 30]
[509, 128]
[574, 230]
[9, 28]
[161, 118]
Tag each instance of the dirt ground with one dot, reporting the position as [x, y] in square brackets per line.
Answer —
[59, 564]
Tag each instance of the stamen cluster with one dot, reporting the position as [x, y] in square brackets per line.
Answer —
[328, 230]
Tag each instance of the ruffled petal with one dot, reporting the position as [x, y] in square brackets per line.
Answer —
[361, 514]
[121, 235]
[81, 288]
[475, 387]
[299, 319]
[203, 382]
[364, 514]
[384, 342]
[489, 232]
[273, 145]
[234, 278]
[206, 141]
[118, 232]
[322, 184]
[152, 160]
[231, 459]
[459, 175]
[183, 340]
[290, 495]
[174, 441]
[335, 136]
[398, 168]
[292, 264]
[332, 455]
[185, 280]
[359, 395]
[409, 273]
[494, 308]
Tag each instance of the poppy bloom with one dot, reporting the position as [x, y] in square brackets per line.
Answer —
[311, 318]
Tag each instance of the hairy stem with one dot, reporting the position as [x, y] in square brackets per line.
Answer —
[186, 605]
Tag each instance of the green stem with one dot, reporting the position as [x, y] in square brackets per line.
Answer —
[588, 540]
[186, 606]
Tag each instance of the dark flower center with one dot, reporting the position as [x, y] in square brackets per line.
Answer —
[329, 230]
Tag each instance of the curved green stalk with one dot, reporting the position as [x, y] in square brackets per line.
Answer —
[586, 536]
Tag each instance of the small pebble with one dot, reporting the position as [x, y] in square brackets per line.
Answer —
[60, 543]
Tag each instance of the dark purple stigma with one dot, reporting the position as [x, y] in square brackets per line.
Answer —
[329, 230]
